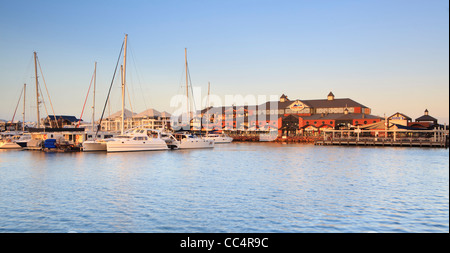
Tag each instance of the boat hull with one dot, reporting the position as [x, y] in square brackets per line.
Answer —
[9, 145]
[22, 144]
[34, 145]
[221, 140]
[201, 143]
[130, 146]
[90, 146]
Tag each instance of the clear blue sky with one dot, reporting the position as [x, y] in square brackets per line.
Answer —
[390, 55]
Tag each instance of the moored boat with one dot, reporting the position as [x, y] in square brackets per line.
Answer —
[8, 141]
[24, 139]
[188, 141]
[96, 141]
[140, 139]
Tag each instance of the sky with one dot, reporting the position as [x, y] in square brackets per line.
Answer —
[389, 55]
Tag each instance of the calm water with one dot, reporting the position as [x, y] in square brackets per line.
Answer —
[239, 187]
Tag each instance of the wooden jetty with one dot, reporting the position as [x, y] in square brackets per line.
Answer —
[437, 138]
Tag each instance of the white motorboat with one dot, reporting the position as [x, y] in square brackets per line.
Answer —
[97, 141]
[139, 139]
[9, 144]
[24, 139]
[219, 138]
[187, 141]
[170, 140]
[8, 140]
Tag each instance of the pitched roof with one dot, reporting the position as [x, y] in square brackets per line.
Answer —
[165, 114]
[148, 113]
[118, 114]
[65, 117]
[316, 103]
[290, 116]
[337, 102]
[377, 125]
[426, 118]
[340, 116]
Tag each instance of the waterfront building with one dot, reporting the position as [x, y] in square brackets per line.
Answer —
[293, 117]
[425, 121]
[61, 121]
[113, 121]
[150, 118]
[399, 119]
[303, 107]
[344, 120]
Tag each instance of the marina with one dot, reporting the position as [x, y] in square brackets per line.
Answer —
[225, 117]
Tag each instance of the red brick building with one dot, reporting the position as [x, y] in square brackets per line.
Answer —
[294, 116]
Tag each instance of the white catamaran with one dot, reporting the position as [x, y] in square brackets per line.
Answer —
[218, 138]
[139, 139]
[186, 140]
[95, 143]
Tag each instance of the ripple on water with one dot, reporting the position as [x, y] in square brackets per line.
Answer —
[242, 187]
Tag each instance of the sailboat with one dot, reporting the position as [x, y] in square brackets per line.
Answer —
[94, 144]
[8, 140]
[218, 138]
[16, 139]
[186, 140]
[139, 139]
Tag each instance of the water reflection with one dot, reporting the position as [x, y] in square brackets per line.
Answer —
[242, 187]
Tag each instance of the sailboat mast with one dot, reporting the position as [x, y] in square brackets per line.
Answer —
[207, 108]
[23, 113]
[37, 91]
[123, 84]
[93, 102]
[187, 89]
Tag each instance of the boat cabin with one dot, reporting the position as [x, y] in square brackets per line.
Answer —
[182, 136]
[149, 132]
